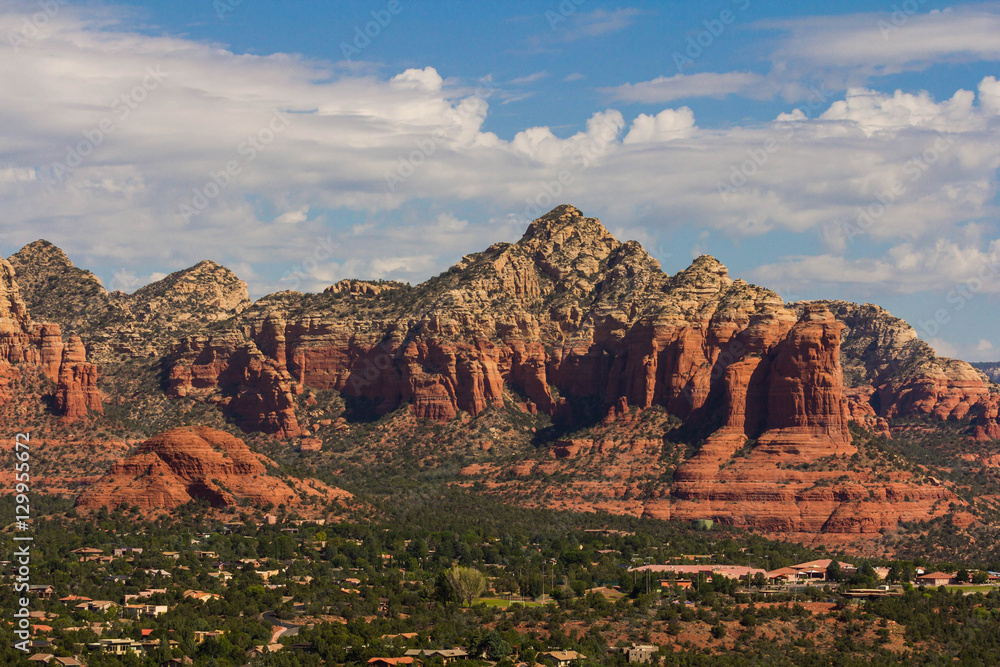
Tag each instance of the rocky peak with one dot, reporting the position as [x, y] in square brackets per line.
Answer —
[43, 253]
[564, 232]
[57, 291]
[207, 291]
[705, 276]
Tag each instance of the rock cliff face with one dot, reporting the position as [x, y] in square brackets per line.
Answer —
[567, 313]
[900, 373]
[118, 326]
[24, 343]
[568, 325]
[194, 464]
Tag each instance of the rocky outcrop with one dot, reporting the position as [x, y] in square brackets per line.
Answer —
[568, 310]
[254, 389]
[193, 464]
[24, 343]
[362, 287]
[114, 325]
[76, 394]
[745, 473]
[901, 373]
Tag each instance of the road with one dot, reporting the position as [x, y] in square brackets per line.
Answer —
[287, 629]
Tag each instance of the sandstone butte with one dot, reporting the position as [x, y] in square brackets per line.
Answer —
[27, 348]
[567, 312]
[569, 317]
[198, 464]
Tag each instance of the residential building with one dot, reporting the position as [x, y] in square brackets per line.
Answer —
[564, 658]
[936, 579]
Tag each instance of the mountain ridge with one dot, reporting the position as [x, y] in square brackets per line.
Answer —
[737, 403]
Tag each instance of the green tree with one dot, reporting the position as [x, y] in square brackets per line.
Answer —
[466, 583]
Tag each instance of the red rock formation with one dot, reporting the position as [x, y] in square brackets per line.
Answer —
[191, 464]
[805, 419]
[76, 393]
[23, 342]
[241, 379]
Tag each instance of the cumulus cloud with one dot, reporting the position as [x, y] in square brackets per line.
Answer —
[942, 265]
[362, 167]
[664, 126]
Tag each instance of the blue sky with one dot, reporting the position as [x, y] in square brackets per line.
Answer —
[826, 150]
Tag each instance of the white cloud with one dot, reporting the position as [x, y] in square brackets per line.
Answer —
[941, 265]
[989, 95]
[855, 47]
[873, 111]
[530, 78]
[325, 172]
[586, 25]
[293, 217]
[979, 351]
[704, 84]
[664, 126]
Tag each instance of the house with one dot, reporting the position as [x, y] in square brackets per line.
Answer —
[815, 570]
[98, 606]
[135, 611]
[202, 635]
[69, 662]
[206, 554]
[86, 551]
[682, 583]
[157, 573]
[640, 652]
[117, 646]
[263, 649]
[202, 596]
[43, 591]
[710, 570]
[43, 658]
[171, 554]
[393, 662]
[126, 551]
[39, 628]
[936, 579]
[446, 654]
[74, 598]
[564, 658]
